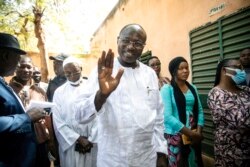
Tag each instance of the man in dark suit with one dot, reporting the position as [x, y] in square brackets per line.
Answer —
[245, 61]
[17, 138]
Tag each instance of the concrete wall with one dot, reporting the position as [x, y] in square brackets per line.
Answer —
[167, 23]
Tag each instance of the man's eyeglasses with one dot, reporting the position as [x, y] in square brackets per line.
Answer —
[68, 75]
[137, 44]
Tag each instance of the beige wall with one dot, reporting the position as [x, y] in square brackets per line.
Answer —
[167, 23]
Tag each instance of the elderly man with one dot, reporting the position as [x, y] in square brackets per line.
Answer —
[75, 149]
[17, 139]
[59, 79]
[124, 95]
[245, 61]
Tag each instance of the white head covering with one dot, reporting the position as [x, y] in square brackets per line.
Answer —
[72, 59]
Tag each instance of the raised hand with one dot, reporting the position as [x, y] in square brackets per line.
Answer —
[107, 82]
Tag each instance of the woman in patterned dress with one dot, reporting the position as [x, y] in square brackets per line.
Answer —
[230, 104]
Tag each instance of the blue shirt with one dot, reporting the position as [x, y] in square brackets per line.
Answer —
[172, 123]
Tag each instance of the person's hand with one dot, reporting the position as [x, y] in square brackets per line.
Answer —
[166, 80]
[36, 114]
[196, 137]
[162, 160]
[107, 82]
[85, 143]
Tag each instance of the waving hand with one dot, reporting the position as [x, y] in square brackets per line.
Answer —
[107, 83]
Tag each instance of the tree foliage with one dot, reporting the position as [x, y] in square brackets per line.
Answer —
[67, 24]
[17, 17]
[25, 20]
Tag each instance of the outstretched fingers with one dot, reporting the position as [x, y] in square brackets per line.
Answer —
[101, 62]
[109, 59]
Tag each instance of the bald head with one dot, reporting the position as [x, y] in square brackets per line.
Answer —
[131, 42]
[134, 28]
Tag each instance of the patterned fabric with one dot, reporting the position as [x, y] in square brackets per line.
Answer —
[231, 117]
[180, 155]
[21, 90]
[27, 92]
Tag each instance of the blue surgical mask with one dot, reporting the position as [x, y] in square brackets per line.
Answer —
[239, 77]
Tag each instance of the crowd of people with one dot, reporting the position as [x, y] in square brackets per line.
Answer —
[125, 114]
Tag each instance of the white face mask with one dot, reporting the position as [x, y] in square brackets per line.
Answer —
[76, 83]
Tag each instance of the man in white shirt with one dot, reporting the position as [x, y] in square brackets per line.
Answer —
[75, 140]
[124, 96]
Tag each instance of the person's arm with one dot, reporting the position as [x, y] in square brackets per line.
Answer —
[100, 99]
[161, 143]
[99, 87]
[195, 136]
[17, 123]
[20, 123]
[48, 93]
[107, 83]
[170, 121]
[85, 107]
[200, 115]
[200, 112]
[10, 105]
